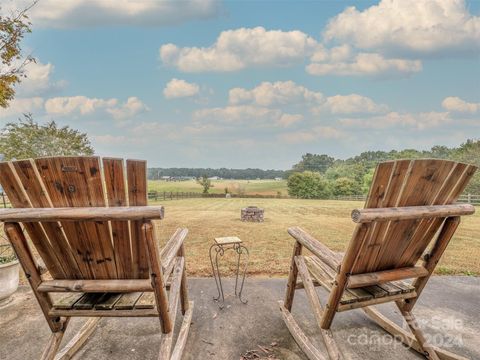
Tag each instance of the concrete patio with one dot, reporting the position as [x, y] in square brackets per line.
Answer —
[450, 306]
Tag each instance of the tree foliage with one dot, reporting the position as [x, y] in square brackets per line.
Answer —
[28, 139]
[12, 30]
[345, 186]
[205, 182]
[314, 162]
[469, 152]
[308, 185]
[354, 175]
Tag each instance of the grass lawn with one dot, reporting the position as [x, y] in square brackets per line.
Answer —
[269, 244]
[250, 187]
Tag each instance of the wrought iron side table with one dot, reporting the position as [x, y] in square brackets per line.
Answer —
[219, 248]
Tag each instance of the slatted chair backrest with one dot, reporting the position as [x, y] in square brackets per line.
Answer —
[86, 249]
[396, 244]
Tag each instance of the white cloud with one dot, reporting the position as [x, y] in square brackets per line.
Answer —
[334, 54]
[237, 114]
[455, 104]
[287, 120]
[362, 64]
[350, 104]
[246, 114]
[79, 13]
[419, 121]
[390, 38]
[82, 105]
[129, 109]
[180, 88]
[277, 93]
[240, 48]
[21, 106]
[109, 139]
[316, 133]
[408, 26]
[280, 93]
[77, 104]
[37, 80]
[205, 129]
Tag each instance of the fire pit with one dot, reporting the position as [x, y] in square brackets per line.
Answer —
[252, 213]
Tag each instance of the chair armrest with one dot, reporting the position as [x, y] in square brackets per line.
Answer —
[170, 250]
[328, 256]
[411, 212]
[82, 214]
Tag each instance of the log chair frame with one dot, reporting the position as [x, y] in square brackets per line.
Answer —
[167, 307]
[165, 267]
[448, 217]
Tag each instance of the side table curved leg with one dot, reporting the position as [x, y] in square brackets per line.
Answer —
[216, 273]
[240, 250]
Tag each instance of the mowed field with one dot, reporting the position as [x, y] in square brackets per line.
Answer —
[250, 187]
[269, 244]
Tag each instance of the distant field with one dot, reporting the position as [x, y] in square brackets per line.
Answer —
[250, 187]
[269, 244]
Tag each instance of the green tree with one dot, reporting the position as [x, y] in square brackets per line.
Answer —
[346, 186]
[28, 139]
[441, 152]
[351, 170]
[314, 162]
[367, 181]
[308, 185]
[205, 182]
[469, 152]
[12, 30]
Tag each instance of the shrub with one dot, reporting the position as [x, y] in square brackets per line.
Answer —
[308, 185]
[345, 186]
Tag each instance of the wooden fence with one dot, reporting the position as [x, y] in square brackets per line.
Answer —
[4, 202]
[473, 199]
[464, 198]
[178, 195]
[469, 199]
[172, 195]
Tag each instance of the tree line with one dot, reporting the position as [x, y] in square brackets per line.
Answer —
[314, 176]
[322, 176]
[224, 173]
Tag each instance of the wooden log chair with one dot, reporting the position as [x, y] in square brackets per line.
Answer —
[89, 223]
[411, 205]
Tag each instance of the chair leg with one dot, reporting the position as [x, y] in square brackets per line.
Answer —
[292, 277]
[405, 336]
[332, 348]
[183, 286]
[173, 299]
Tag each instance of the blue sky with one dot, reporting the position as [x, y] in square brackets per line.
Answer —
[254, 83]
